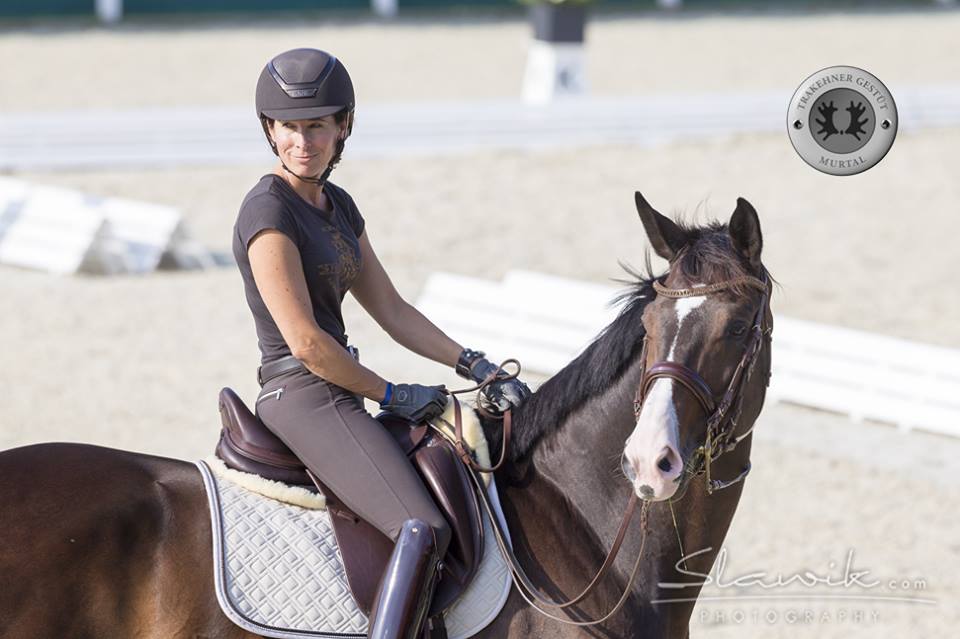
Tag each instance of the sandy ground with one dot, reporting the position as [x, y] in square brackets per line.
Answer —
[136, 362]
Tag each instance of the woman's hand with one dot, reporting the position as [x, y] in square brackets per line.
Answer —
[415, 402]
[498, 396]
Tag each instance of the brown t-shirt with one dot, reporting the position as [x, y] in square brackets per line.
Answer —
[329, 251]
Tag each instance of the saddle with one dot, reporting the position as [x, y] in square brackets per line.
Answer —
[247, 445]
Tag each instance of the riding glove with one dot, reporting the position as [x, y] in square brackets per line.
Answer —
[415, 402]
[502, 396]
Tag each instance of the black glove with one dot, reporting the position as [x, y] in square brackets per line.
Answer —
[473, 365]
[415, 402]
[498, 396]
[502, 396]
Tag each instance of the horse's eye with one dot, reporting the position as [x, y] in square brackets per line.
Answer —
[738, 329]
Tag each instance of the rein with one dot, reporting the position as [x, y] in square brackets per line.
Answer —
[720, 438]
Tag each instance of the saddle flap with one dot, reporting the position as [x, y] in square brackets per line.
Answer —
[365, 550]
[447, 479]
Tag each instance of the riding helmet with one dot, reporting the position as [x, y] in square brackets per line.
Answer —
[303, 84]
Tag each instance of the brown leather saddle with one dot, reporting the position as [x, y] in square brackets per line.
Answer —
[248, 446]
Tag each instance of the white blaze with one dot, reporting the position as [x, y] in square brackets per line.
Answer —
[658, 428]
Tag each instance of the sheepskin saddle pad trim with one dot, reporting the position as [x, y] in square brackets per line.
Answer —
[278, 571]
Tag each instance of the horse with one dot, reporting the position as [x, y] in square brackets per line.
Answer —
[99, 542]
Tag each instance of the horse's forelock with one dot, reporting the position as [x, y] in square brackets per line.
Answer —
[710, 258]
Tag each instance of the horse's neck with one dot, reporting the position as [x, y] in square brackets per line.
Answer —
[581, 458]
[567, 510]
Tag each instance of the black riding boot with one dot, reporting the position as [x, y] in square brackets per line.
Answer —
[403, 599]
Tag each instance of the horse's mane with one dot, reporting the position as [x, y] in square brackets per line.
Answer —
[709, 257]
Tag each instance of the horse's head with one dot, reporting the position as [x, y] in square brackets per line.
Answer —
[707, 327]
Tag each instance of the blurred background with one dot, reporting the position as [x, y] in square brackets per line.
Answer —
[473, 156]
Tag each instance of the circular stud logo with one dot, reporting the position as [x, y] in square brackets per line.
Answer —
[842, 120]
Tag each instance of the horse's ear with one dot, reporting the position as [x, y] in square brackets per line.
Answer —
[745, 232]
[666, 237]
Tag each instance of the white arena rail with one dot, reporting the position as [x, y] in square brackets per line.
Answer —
[545, 321]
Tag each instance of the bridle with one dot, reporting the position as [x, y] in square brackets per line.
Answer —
[722, 415]
[720, 438]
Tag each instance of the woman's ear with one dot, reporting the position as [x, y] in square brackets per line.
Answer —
[268, 130]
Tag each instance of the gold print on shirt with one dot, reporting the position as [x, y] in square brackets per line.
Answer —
[347, 266]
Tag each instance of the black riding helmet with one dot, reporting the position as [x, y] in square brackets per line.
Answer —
[303, 84]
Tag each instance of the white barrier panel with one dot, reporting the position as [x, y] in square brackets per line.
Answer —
[545, 321]
[554, 70]
[867, 376]
[64, 231]
[53, 230]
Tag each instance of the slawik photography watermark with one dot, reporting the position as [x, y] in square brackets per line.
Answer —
[842, 591]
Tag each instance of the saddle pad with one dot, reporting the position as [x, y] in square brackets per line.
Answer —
[278, 572]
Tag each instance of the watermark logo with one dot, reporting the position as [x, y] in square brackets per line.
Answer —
[842, 120]
[843, 592]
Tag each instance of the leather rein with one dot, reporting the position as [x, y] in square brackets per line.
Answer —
[720, 438]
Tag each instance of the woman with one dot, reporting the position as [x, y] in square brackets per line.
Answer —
[300, 244]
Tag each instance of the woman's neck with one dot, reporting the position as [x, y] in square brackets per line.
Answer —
[312, 193]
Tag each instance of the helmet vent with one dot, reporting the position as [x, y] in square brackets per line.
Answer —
[293, 76]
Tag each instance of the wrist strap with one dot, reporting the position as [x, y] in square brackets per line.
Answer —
[387, 395]
[466, 361]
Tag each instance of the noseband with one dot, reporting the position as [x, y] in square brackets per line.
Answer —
[721, 420]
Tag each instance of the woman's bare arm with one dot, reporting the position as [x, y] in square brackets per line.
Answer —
[278, 273]
[404, 323]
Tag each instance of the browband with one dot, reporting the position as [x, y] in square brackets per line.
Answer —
[695, 291]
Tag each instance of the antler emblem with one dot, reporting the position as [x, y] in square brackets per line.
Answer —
[826, 124]
[855, 126]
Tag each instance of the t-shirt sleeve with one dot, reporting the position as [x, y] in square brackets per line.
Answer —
[354, 219]
[265, 212]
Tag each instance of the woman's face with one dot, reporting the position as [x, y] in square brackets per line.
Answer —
[307, 146]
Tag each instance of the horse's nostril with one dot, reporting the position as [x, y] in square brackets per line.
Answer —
[664, 464]
[646, 492]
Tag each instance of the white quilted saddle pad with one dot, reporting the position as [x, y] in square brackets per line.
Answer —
[278, 571]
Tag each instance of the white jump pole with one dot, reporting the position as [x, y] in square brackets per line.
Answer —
[384, 8]
[109, 11]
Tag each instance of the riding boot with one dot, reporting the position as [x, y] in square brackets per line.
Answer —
[406, 590]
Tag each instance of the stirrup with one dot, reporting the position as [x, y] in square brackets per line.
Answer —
[406, 589]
